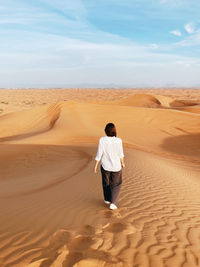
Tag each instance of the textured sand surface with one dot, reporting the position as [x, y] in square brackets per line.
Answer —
[52, 213]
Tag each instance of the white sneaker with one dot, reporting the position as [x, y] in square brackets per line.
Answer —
[107, 202]
[112, 206]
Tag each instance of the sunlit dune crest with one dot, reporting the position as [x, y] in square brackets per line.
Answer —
[139, 100]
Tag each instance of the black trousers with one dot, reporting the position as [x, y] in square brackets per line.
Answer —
[111, 182]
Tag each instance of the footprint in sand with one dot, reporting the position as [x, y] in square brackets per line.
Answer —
[86, 230]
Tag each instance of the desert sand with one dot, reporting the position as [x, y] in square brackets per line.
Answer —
[51, 202]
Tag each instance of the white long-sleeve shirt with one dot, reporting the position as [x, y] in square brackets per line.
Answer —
[110, 150]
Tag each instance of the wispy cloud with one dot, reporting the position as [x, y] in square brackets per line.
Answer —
[191, 40]
[154, 46]
[190, 27]
[73, 42]
[176, 32]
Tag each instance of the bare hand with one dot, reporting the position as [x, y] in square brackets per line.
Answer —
[123, 165]
[95, 170]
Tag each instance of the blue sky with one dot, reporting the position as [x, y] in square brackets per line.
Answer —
[80, 43]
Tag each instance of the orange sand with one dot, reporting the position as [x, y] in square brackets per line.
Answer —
[52, 213]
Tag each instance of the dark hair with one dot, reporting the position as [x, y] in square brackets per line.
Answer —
[110, 129]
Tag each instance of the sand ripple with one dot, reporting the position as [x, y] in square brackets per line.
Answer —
[52, 211]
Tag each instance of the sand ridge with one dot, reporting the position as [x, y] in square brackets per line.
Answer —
[52, 213]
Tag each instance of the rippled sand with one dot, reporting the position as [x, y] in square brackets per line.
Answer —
[52, 210]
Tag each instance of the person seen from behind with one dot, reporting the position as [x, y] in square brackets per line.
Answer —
[110, 154]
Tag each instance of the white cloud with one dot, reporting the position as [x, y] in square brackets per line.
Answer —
[64, 47]
[154, 46]
[190, 27]
[74, 9]
[176, 32]
[191, 40]
[58, 61]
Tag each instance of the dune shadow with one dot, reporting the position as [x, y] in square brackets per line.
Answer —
[34, 133]
[23, 136]
[186, 145]
[22, 161]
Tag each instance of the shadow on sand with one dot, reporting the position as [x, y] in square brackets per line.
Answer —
[186, 145]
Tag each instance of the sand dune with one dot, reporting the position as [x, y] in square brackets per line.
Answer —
[16, 100]
[52, 213]
[161, 131]
[151, 101]
[139, 100]
[193, 109]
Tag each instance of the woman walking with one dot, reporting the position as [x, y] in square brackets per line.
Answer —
[110, 153]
